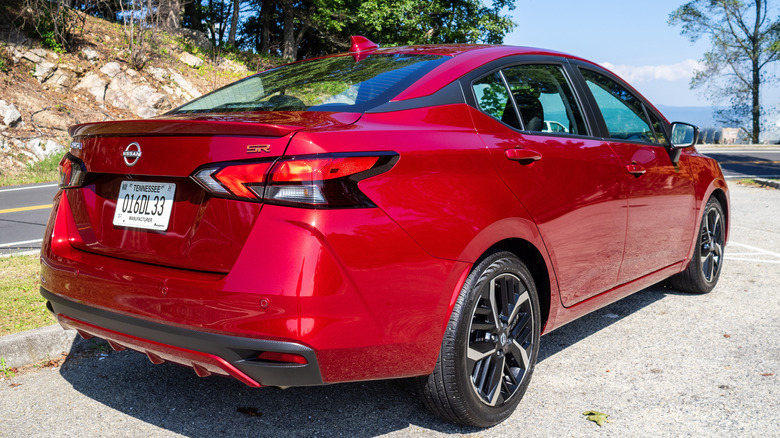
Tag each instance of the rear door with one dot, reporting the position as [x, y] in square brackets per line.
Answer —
[661, 203]
[571, 183]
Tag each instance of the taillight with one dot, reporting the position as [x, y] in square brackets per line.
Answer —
[72, 172]
[319, 181]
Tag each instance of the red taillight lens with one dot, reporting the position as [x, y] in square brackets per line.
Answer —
[320, 169]
[72, 172]
[316, 181]
[241, 180]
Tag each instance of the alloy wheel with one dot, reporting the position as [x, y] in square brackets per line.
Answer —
[500, 341]
[711, 250]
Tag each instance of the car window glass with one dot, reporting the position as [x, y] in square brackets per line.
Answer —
[493, 98]
[658, 127]
[622, 111]
[338, 83]
[545, 99]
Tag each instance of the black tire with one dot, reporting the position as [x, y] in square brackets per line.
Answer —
[703, 271]
[501, 331]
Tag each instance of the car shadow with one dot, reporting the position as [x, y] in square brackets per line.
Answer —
[585, 326]
[175, 399]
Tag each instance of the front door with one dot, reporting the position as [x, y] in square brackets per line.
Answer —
[661, 193]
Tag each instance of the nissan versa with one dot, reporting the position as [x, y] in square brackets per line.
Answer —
[422, 211]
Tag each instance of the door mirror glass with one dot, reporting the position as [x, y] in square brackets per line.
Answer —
[684, 135]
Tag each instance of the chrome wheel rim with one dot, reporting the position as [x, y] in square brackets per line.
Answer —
[501, 339]
[711, 248]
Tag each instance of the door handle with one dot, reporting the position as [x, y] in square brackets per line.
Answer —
[524, 156]
[635, 169]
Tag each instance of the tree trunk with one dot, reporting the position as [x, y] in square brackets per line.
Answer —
[289, 50]
[265, 23]
[169, 13]
[193, 12]
[234, 23]
[756, 110]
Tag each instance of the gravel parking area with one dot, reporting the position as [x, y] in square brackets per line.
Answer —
[660, 363]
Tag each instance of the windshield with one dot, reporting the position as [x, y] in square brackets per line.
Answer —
[329, 84]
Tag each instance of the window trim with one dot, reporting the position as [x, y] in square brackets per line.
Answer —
[601, 122]
[498, 65]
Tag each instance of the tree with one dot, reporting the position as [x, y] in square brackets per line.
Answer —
[234, 23]
[169, 14]
[395, 22]
[745, 40]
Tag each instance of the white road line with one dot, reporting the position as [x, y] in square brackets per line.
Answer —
[29, 187]
[21, 253]
[755, 248]
[750, 176]
[776, 262]
[23, 242]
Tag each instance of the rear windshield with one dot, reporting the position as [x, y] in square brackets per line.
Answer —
[329, 84]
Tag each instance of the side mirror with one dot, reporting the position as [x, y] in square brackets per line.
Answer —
[684, 135]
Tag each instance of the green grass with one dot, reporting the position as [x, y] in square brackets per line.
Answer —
[21, 305]
[42, 171]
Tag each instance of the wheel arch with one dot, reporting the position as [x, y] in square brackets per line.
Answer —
[719, 194]
[535, 262]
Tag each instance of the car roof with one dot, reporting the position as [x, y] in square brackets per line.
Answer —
[465, 58]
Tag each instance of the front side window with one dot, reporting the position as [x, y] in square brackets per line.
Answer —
[658, 128]
[338, 83]
[623, 112]
[539, 94]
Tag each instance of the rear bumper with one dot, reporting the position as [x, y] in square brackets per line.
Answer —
[206, 353]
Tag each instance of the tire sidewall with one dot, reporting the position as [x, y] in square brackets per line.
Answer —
[703, 284]
[509, 263]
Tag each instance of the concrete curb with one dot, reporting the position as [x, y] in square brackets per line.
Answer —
[25, 348]
[767, 183]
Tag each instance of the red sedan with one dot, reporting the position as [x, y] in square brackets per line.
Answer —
[422, 211]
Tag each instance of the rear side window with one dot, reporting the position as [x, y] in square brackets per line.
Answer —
[338, 83]
[493, 98]
[539, 99]
[623, 112]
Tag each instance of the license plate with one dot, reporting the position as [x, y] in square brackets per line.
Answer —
[145, 205]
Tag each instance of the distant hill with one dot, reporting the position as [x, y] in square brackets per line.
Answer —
[700, 116]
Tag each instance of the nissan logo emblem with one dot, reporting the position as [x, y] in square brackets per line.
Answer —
[132, 153]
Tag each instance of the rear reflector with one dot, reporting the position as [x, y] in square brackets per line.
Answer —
[321, 181]
[282, 357]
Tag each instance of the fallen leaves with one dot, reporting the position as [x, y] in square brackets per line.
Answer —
[597, 417]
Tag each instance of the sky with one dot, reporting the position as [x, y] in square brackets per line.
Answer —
[629, 37]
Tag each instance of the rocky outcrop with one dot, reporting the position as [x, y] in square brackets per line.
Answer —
[94, 85]
[9, 114]
[191, 60]
[125, 92]
[230, 65]
[45, 92]
[90, 55]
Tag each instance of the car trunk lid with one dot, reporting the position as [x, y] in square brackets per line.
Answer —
[202, 232]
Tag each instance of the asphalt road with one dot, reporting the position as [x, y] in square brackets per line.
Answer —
[660, 363]
[24, 211]
[763, 162]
